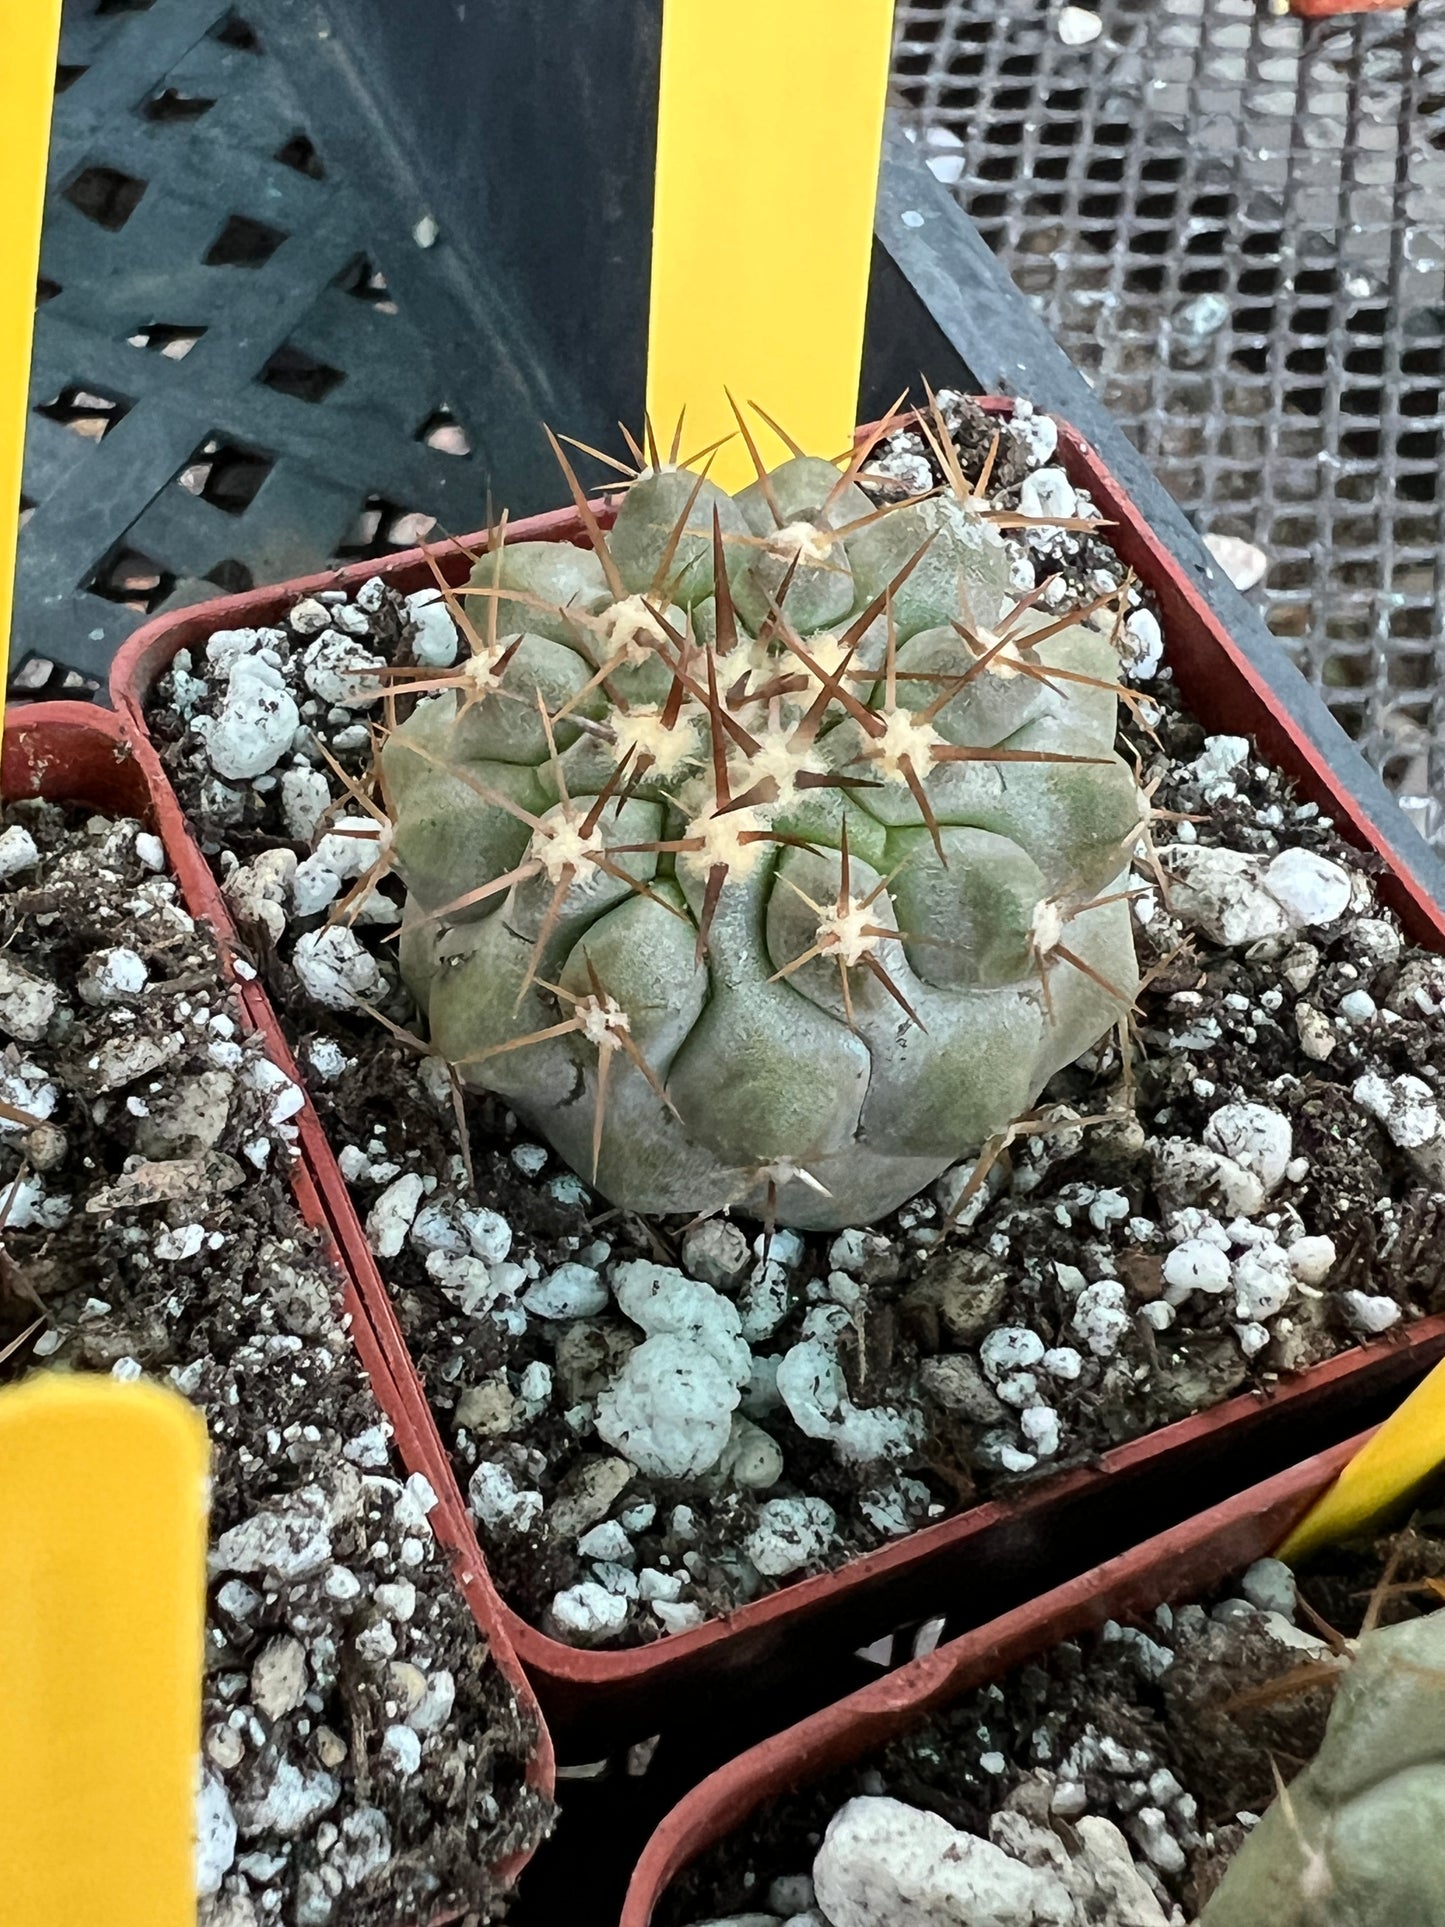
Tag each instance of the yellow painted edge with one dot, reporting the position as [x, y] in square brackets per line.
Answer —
[1383, 1474]
[769, 127]
[102, 1626]
[29, 39]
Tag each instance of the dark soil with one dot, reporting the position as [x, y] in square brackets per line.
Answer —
[166, 1241]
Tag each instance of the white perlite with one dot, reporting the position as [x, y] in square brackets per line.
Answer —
[883, 1864]
[27, 1003]
[789, 1534]
[670, 1408]
[335, 967]
[1077, 26]
[1237, 899]
[334, 668]
[1256, 1137]
[1369, 1313]
[665, 1302]
[812, 1386]
[1263, 1283]
[571, 1291]
[289, 1540]
[215, 1832]
[390, 1217]
[1101, 1316]
[1196, 1265]
[305, 796]
[435, 639]
[254, 724]
[588, 1612]
[295, 1797]
[17, 851]
[499, 1503]
[1312, 1259]
[1404, 1105]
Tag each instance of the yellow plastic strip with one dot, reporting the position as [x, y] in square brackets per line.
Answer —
[770, 121]
[102, 1615]
[1382, 1475]
[29, 37]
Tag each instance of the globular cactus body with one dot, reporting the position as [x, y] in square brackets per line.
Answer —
[1358, 1838]
[764, 855]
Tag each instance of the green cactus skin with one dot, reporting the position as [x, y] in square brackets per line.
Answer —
[1358, 1838]
[836, 921]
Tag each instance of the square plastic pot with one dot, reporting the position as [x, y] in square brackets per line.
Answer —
[993, 1555]
[1173, 1568]
[74, 753]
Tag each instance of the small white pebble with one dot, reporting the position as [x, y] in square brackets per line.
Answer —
[1311, 1259]
[1196, 1266]
[17, 851]
[1040, 1426]
[1369, 1313]
[182, 1243]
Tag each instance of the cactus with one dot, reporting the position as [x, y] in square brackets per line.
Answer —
[768, 853]
[1355, 1840]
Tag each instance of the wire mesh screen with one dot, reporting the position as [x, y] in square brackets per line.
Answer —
[1234, 223]
[223, 389]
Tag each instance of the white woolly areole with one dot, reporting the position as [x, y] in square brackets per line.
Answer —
[780, 757]
[645, 731]
[803, 540]
[632, 627]
[1046, 926]
[721, 836]
[603, 1020]
[830, 655]
[1007, 663]
[846, 934]
[479, 671]
[560, 846]
[904, 739]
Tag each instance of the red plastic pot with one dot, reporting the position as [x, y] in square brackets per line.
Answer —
[73, 753]
[1326, 9]
[1004, 1551]
[1173, 1568]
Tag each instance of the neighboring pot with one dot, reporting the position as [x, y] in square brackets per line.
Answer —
[74, 753]
[1327, 9]
[1005, 1550]
[1176, 1566]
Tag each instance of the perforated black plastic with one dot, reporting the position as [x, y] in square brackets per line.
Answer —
[1234, 223]
[224, 391]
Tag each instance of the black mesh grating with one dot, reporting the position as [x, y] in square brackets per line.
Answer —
[212, 405]
[1234, 223]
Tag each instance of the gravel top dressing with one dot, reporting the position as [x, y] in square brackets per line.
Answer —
[1248, 1183]
[1113, 1780]
[363, 1760]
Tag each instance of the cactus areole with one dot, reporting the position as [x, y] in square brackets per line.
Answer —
[772, 852]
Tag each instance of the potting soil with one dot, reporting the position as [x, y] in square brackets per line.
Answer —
[363, 1759]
